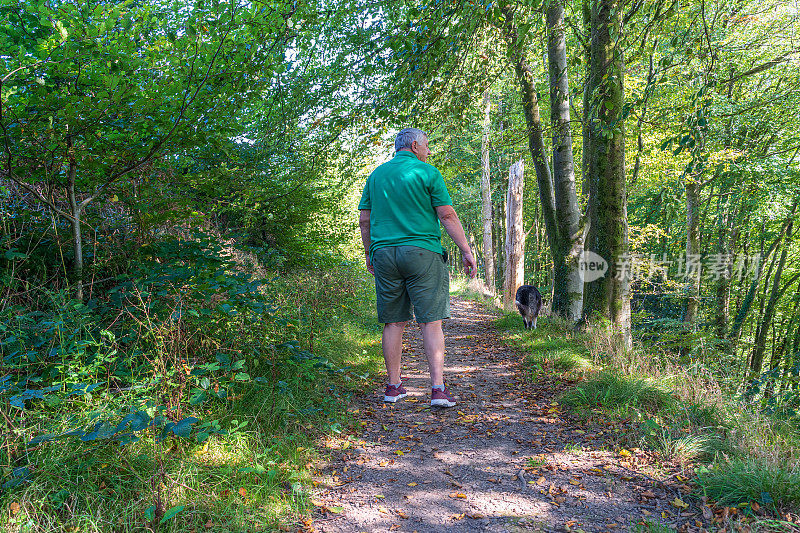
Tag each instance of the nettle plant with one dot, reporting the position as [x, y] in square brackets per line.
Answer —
[178, 333]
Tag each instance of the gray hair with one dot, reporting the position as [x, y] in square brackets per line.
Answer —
[407, 136]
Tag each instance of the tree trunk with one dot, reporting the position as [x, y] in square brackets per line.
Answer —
[792, 359]
[498, 212]
[530, 105]
[486, 197]
[76, 211]
[744, 308]
[515, 234]
[757, 358]
[567, 282]
[586, 15]
[727, 233]
[608, 296]
[692, 249]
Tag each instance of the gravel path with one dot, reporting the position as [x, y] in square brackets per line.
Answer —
[504, 459]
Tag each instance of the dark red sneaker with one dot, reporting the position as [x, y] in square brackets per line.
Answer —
[394, 393]
[442, 398]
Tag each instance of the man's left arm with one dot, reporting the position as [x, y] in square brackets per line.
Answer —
[363, 223]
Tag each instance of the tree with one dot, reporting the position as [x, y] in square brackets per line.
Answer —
[486, 196]
[95, 94]
[515, 234]
[609, 295]
[567, 282]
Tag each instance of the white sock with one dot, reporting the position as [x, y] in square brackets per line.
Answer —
[440, 387]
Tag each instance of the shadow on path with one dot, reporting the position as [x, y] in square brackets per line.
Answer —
[502, 460]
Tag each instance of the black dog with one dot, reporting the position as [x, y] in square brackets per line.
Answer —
[529, 303]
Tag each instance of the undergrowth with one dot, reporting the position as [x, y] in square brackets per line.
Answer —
[190, 396]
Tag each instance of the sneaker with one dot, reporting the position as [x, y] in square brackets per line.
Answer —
[442, 398]
[394, 393]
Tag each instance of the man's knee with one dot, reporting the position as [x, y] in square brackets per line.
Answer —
[398, 325]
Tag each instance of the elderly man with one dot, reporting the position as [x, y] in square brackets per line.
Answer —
[401, 206]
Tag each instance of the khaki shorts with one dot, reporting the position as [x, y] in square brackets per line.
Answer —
[409, 276]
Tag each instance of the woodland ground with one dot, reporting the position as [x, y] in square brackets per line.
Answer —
[506, 458]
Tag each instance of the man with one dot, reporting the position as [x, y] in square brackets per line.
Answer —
[401, 207]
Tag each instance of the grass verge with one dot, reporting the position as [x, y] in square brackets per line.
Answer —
[734, 454]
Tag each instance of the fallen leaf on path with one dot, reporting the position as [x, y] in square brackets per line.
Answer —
[680, 504]
[412, 484]
[476, 516]
[401, 514]
[459, 516]
[382, 509]
[458, 495]
[648, 494]
[541, 481]
[625, 453]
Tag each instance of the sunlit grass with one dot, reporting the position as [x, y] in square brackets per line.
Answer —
[612, 392]
[547, 346]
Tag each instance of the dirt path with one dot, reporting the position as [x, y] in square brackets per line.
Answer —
[503, 459]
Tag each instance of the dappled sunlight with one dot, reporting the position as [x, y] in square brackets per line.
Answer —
[505, 456]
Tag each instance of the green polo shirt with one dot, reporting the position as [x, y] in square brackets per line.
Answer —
[402, 195]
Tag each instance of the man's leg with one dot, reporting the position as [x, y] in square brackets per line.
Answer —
[433, 342]
[392, 344]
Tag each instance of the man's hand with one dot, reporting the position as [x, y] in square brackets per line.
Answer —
[369, 265]
[469, 264]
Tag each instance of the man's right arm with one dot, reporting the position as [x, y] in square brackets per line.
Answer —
[452, 225]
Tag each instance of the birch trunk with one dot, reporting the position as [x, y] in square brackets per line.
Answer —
[608, 296]
[515, 234]
[486, 198]
[567, 283]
